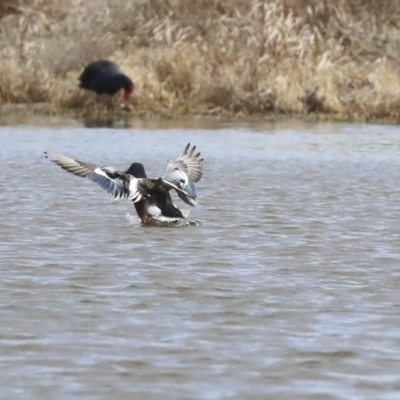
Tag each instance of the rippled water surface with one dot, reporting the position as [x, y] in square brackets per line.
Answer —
[289, 288]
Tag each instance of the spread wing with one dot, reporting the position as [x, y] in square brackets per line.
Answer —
[184, 172]
[117, 183]
[149, 187]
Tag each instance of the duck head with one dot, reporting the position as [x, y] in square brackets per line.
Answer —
[136, 170]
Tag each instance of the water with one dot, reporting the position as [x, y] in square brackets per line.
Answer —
[289, 288]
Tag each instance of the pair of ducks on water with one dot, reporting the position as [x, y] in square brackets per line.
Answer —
[151, 196]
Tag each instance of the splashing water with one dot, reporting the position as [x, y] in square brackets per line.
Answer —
[164, 222]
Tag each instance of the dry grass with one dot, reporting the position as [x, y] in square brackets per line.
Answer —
[217, 57]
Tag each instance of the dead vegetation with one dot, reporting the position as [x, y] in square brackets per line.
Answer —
[339, 58]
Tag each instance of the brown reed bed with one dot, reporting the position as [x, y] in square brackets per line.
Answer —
[212, 57]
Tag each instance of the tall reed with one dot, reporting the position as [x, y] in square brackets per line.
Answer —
[217, 57]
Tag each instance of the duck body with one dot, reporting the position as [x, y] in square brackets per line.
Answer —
[151, 196]
[158, 206]
[159, 203]
[105, 77]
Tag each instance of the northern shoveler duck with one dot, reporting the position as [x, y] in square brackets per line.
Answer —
[105, 77]
[151, 196]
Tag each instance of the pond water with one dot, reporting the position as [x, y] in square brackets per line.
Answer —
[288, 289]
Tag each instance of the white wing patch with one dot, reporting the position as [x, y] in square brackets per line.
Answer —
[134, 193]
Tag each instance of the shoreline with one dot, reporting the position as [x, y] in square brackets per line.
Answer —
[21, 111]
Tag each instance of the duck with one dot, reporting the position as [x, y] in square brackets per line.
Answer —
[150, 196]
[106, 77]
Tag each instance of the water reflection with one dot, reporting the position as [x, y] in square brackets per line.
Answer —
[102, 121]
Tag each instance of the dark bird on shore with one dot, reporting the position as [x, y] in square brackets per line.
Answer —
[105, 77]
[151, 196]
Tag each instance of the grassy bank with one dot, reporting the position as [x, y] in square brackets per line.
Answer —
[212, 57]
